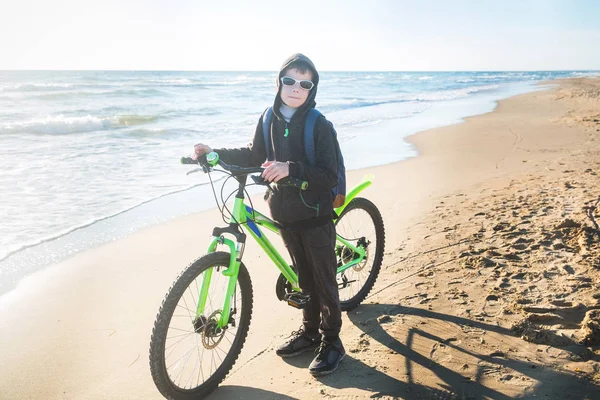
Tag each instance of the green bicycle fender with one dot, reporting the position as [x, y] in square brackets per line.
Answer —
[354, 192]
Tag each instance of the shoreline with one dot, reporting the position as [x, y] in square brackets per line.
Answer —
[448, 311]
[32, 258]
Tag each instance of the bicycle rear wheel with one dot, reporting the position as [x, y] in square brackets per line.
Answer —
[361, 224]
[189, 355]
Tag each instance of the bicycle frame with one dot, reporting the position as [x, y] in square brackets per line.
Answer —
[244, 215]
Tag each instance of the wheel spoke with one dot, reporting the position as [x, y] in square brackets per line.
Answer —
[187, 363]
[189, 311]
[359, 226]
[179, 341]
[179, 359]
[176, 336]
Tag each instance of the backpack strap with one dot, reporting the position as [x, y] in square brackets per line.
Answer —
[309, 135]
[267, 117]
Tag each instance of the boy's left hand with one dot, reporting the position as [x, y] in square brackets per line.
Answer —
[275, 170]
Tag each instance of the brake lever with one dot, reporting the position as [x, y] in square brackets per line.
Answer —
[259, 180]
[206, 168]
[194, 171]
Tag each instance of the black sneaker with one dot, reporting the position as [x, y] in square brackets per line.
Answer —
[299, 343]
[328, 358]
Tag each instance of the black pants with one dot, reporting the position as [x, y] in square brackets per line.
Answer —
[313, 254]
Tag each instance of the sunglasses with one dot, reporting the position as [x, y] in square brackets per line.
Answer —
[289, 81]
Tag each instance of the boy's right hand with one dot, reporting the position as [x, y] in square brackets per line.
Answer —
[200, 149]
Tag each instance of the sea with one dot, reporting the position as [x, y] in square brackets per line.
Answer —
[88, 157]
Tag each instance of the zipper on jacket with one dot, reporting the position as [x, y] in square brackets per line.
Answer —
[307, 205]
[287, 132]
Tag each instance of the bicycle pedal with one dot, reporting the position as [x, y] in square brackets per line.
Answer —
[297, 300]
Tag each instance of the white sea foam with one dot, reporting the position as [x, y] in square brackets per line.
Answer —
[60, 124]
[373, 115]
[182, 81]
[7, 253]
[450, 94]
[337, 104]
[23, 87]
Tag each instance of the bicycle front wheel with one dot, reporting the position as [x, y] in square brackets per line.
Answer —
[189, 354]
[360, 224]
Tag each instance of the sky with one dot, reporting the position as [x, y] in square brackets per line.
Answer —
[351, 35]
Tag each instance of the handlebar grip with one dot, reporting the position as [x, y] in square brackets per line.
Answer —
[189, 160]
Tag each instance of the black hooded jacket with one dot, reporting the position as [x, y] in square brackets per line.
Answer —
[290, 206]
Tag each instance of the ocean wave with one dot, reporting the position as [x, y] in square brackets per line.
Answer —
[356, 120]
[187, 112]
[178, 83]
[57, 87]
[70, 93]
[241, 79]
[181, 81]
[376, 77]
[104, 91]
[341, 79]
[159, 132]
[133, 91]
[56, 125]
[131, 120]
[7, 254]
[585, 73]
[31, 87]
[439, 95]
[345, 104]
[452, 94]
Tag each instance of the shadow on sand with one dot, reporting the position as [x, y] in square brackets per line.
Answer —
[551, 383]
[353, 373]
[230, 392]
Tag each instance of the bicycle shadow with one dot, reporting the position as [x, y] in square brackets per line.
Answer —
[228, 392]
[353, 373]
[550, 381]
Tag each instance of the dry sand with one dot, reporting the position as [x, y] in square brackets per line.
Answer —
[489, 287]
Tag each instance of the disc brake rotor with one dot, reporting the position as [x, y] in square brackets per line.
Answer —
[212, 334]
[347, 255]
[358, 267]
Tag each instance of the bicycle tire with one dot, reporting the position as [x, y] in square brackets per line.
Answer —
[362, 204]
[158, 356]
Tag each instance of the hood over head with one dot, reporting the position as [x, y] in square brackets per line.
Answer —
[310, 100]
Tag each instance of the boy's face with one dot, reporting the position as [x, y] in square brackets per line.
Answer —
[295, 96]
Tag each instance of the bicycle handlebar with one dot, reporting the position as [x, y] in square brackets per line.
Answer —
[236, 171]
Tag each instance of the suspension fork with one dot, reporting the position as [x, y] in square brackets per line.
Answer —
[235, 256]
[232, 271]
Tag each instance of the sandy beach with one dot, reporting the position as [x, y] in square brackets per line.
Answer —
[489, 286]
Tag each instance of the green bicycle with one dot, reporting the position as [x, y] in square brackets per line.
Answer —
[204, 319]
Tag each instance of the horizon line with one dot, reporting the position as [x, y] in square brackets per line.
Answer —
[272, 71]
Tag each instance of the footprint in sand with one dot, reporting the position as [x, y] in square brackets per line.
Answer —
[521, 275]
[425, 285]
[560, 324]
[441, 353]
[363, 345]
[493, 305]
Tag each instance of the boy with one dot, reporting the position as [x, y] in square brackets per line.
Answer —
[306, 216]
